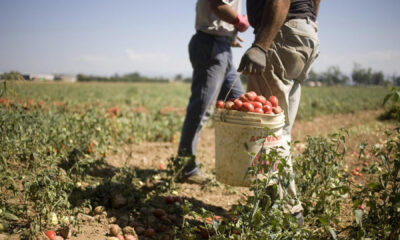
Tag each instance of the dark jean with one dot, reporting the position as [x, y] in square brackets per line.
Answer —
[213, 76]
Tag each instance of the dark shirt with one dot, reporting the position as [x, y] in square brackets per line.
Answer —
[298, 9]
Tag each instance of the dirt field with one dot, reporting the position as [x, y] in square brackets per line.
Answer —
[362, 126]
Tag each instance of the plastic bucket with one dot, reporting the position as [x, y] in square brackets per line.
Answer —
[236, 136]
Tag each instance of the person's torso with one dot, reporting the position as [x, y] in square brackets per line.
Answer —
[299, 9]
[208, 22]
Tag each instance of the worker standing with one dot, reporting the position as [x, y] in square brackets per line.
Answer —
[285, 46]
[217, 24]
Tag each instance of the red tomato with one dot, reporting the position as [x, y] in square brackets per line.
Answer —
[251, 96]
[149, 232]
[204, 233]
[261, 99]
[277, 110]
[130, 237]
[258, 110]
[253, 93]
[120, 237]
[257, 104]
[159, 212]
[267, 109]
[229, 105]
[238, 103]
[51, 234]
[169, 199]
[162, 166]
[273, 100]
[243, 98]
[247, 107]
[220, 104]
[268, 103]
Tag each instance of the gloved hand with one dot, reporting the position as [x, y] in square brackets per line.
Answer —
[241, 23]
[253, 61]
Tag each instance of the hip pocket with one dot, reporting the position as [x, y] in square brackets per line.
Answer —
[201, 50]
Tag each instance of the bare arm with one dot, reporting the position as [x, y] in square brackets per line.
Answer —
[223, 11]
[316, 4]
[275, 12]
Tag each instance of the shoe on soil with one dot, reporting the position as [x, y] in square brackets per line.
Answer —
[198, 177]
[299, 218]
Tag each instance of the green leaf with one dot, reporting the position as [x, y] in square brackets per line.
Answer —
[395, 97]
[323, 220]
[387, 97]
[10, 216]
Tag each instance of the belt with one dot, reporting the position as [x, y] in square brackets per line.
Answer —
[215, 37]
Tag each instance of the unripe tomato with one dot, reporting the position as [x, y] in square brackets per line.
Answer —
[220, 104]
[247, 107]
[273, 100]
[258, 110]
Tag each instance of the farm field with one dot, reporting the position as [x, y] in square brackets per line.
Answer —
[84, 156]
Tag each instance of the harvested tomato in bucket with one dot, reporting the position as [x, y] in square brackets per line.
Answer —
[238, 129]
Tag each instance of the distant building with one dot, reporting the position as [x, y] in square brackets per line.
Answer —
[65, 78]
[40, 77]
[313, 84]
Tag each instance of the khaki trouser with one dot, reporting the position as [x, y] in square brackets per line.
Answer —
[289, 61]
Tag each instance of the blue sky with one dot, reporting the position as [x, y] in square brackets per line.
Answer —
[104, 37]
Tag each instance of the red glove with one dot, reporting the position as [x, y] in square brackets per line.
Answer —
[241, 23]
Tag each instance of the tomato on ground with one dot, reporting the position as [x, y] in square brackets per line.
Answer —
[51, 234]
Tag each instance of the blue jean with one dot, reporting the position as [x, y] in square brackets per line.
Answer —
[213, 76]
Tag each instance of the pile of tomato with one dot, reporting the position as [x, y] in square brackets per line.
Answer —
[251, 102]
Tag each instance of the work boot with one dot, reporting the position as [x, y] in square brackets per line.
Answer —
[197, 177]
[299, 218]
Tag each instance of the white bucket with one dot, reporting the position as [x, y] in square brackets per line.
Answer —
[236, 136]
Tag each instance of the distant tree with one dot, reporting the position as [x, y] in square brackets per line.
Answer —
[395, 80]
[361, 75]
[314, 76]
[13, 76]
[130, 77]
[333, 76]
[377, 78]
[178, 77]
[366, 76]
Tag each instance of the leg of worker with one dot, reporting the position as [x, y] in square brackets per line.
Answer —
[273, 82]
[232, 82]
[208, 75]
